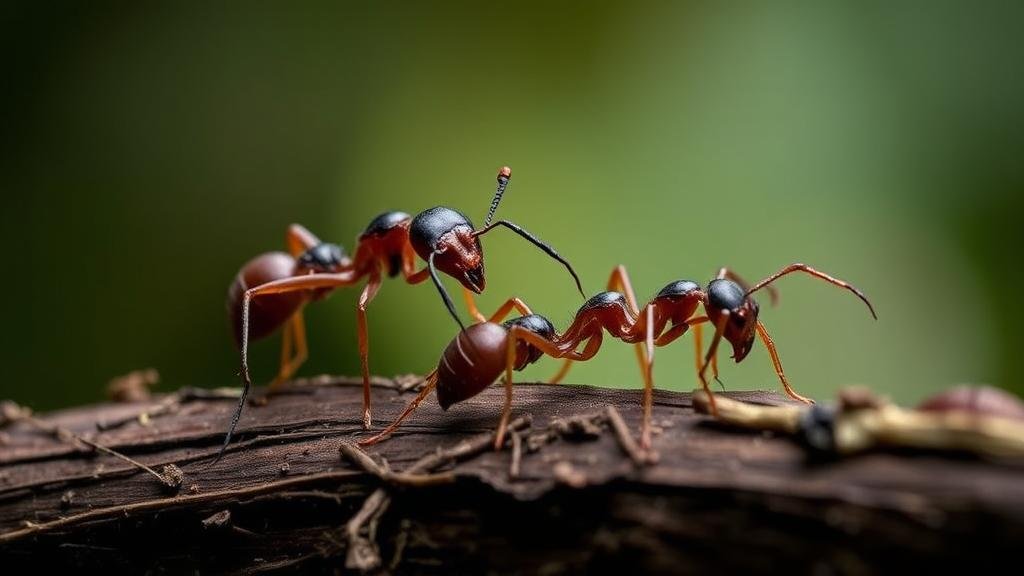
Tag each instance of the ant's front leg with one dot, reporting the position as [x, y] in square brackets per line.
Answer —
[723, 321]
[698, 346]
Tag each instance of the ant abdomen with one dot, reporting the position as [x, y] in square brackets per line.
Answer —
[472, 361]
[268, 312]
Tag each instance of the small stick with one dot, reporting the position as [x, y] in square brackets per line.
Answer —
[626, 442]
[15, 413]
[517, 455]
[363, 554]
[359, 457]
[785, 419]
[362, 551]
[466, 449]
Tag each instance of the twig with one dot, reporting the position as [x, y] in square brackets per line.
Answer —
[171, 478]
[626, 442]
[359, 457]
[517, 456]
[466, 449]
[363, 554]
[785, 418]
[167, 503]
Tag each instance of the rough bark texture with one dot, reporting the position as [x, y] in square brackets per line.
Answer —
[281, 497]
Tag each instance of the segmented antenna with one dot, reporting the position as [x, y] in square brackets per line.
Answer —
[503, 177]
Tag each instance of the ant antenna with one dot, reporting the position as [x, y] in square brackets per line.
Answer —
[444, 293]
[816, 274]
[547, 249]
[503, 177]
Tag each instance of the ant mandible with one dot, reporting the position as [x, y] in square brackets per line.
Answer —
[271, 290]
[726, 300]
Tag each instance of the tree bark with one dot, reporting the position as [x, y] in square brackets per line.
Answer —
[562, 497]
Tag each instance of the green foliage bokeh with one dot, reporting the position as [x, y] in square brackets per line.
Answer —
[152, 150]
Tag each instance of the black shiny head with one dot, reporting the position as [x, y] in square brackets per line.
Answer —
[679, 289]
[429, 226]
[444, 238]
[383, 223]
[538, 325]
[323, 258]
[726, 295]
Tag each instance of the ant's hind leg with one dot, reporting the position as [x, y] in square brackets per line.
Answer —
[431, 383]
[563, 371]
[619, 281]
[294, 334]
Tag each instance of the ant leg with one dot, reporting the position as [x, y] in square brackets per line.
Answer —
[294, 332]
[300, 239]
[719, 331]
[467, 295]
[724, 272]
[547, 347]
[648, 374]
[506, 410]
[619, 280]
[369, 292]
[427, 389]
[770, 345]
[409, 267]
[562, 372]
[817, 274]
[293, 284]
[506, 308]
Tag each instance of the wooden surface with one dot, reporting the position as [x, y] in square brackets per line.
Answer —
[280, 498]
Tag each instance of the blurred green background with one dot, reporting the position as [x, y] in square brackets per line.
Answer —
[148, 151]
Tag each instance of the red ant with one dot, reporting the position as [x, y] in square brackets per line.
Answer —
[479, 355]
[271, 290]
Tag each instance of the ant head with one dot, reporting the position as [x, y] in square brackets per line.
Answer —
[527, 353]
[447, 235]
[323, 258]
[726, 295]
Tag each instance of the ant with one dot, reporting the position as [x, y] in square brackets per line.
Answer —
[271, 290]
[479, 355]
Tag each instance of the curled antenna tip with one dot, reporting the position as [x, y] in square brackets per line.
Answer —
[505, 172]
